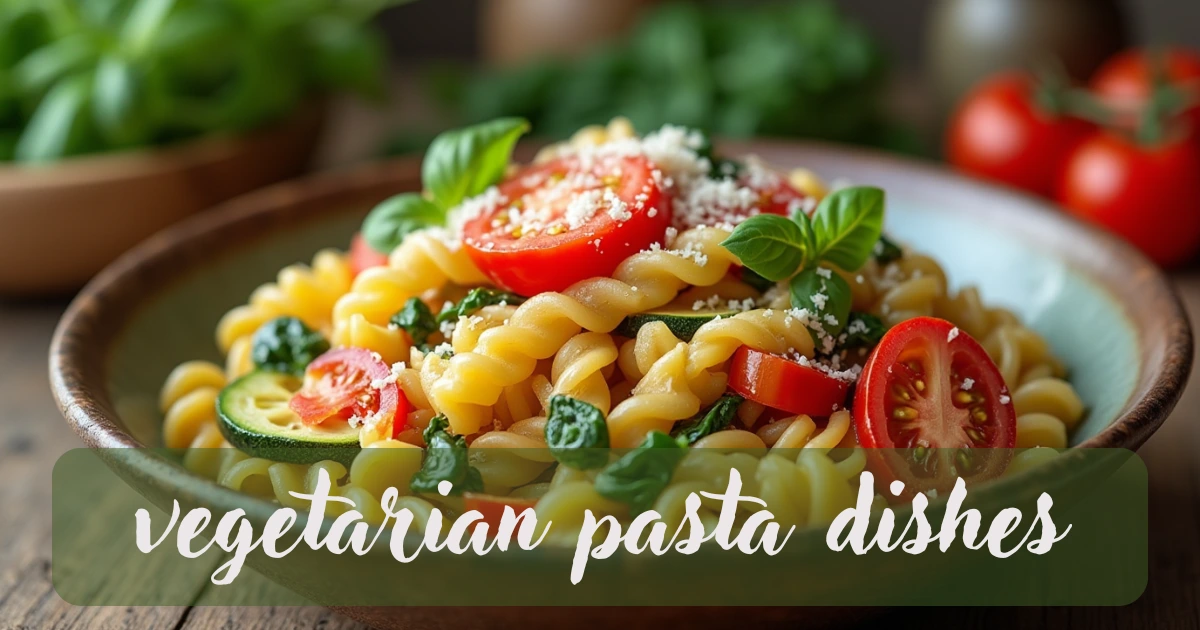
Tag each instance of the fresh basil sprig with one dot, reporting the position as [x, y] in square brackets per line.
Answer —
[460, 163]
[576, 433]
[719, 416]
[446, 459]
[639, 476]
[886, 251]
[416, 319]
[476, 299]
[843, 231]
[863, 330]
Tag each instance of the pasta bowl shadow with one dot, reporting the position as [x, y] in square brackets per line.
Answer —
[1107, 312]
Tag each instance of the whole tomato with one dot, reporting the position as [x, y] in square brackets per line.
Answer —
[1126, 83]
[1001, 131]
[1147, 193]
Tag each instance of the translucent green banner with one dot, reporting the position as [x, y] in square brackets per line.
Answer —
[665, 527]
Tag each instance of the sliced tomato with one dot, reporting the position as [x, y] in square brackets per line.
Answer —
[492, 507]
[351, 384]
[555, 224]
[931, 406]
[363, 256]
[755, 190]
[779, 383]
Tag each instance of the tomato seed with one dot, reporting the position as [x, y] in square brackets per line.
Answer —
[904, 413]
[919, 384]
[978, 415]
[964, 398]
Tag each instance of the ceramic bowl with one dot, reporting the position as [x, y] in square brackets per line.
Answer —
[64, 222]
[1108, 312]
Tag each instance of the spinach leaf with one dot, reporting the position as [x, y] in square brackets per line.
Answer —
[770, 245]
[286, 345]
[445, 460]
[576, 433]
[825, 295]
[397, 217]
[476, 299]
[863, 331]
[415, 319]
[886, 251]
[639, 476]
[716, 418]
[847, 224]
[463, 162]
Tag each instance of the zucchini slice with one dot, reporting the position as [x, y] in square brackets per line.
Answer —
[682, 322]
[254, 416]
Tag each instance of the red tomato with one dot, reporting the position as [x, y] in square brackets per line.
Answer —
[778, 383]
[1148, 194]
[999, 133]
[363, 256]
[1125, 82]
[769, 193]
[928, 385]
[561, 222]
[492, 507]
[338, 384]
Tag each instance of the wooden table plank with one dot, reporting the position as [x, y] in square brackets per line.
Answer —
[33, 435]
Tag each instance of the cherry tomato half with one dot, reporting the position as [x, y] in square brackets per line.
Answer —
[1126, 82]
[999, 133]
[1148, 194]
[561, 222]
[348, 383]
[776, 382]
[926, 386]
[363, 256]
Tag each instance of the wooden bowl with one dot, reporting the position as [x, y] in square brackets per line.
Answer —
[64, 222]
[1108, 312]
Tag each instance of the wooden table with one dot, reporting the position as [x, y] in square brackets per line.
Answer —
[33, 435]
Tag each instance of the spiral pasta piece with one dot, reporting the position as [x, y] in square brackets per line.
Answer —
[659, 400]
[188, 400]
[508, 354]
[307, 293]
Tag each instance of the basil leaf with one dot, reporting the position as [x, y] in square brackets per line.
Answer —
[863, 330]
[575, 433]
[716, 418]
[286, 345]
[886, 251]
[770, 245]
[639, 476]
[478, 298]
[825, 295]
[847, 224]
[416, 319]
[445, 460]
[116, 104]
[462, 163]
[59, 126]
[395, 218]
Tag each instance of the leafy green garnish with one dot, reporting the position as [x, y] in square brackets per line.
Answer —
[886, 251]
[397, 217]
[639, 476]
[286, 345]
[445, 460]
[415, 319]
[770, 245]
[476, 299]
[847, 224]
[575, 433]
[864, 330]
[825, 295]
[719, 416]
[460, 163]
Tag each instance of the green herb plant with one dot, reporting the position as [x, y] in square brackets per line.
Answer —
[90, 76]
